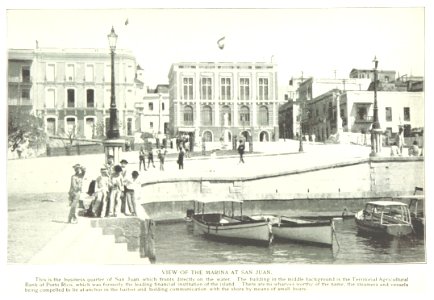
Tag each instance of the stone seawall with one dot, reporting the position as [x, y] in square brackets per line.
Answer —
[321, 190]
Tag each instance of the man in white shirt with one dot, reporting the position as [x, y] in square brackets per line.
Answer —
[132, 186]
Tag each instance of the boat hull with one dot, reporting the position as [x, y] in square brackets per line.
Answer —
[256, 232]
[375, 227]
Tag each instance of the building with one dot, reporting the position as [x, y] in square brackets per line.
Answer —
[70, 89]
[153, 111]
[219, 101]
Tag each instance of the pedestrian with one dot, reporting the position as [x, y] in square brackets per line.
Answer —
[99, 205]
[187, 148]
[132, 187]
[109, 165]
[116, 186]
[241, 148]
[181, 159]
[124, 164]
[161, 157]
[414, 150]
[75, 191]
[151, 157]
[142, 159]
[400, 139]
[394, 150]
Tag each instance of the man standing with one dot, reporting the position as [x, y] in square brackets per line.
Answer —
[241, 151]
[75, 191]
[101, 194]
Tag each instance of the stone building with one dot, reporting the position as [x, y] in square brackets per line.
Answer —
[218, 101]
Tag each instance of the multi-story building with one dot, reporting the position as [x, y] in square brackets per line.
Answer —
[218, 101]
[153, 110]
[70, 88]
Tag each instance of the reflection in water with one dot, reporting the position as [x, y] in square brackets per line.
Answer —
[177, 243]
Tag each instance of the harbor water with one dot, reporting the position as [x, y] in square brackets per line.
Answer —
[177, 243]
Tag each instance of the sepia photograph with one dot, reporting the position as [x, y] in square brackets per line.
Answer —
[163, 150]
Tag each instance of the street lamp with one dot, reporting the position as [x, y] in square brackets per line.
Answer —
[113, 132]
[376, 133]
[300, 147]
[376, 124]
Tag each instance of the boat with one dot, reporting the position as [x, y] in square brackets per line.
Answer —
[228, 226]
[390, 218]
[417, 211]
[313, 230]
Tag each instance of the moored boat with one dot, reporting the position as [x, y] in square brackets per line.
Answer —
[385, 218]
[227, 226]
[417, 212]
[301, 229]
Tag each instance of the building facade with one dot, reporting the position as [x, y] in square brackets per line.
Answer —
[71, 88]
[213, 101]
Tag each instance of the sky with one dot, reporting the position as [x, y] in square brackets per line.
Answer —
[313, 42]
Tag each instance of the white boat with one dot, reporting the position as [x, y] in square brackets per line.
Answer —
[227, 226]
[417, 211]
[313, 230]
[385, 218]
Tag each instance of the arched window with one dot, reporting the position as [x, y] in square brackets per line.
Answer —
[188, 115]
[244, 116]
[207, 136]
[206, 115]
[263, 115]
[226, 116]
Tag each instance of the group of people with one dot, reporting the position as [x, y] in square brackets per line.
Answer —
[161, 154]
[397, 147]
[113, 192]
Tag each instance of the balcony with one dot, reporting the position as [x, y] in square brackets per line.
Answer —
[364, 120]
[21, 80]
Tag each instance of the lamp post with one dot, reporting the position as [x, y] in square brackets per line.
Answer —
[113, 132]
[376, 131]
[300, 147]
[113, 144]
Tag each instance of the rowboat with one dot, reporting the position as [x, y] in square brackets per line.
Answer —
[385, 218]
[228, 226]
[314, 230]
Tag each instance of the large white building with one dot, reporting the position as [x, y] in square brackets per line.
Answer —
[218, 101]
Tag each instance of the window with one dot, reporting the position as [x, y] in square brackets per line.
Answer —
[244, 89]
[166, 128]
[51, 126]
[129, 126]
[388, 114]
[244, 116]
[362, 113]
[25, 94]
[188, 115]
[70, 125]
[188, 88]
[89, 73]
[226, 118]
[207, 136]
[51, 72]
[70, 72]
[162, 106]
[71, 98]
[263, 115]
[90, 99]
[406, 113]
[51, 99]
[206, 88]
[263, 88]
[386, 78]
[225, 89]
[151, 125]
[25, 74]
[151, 106]
[206, 115]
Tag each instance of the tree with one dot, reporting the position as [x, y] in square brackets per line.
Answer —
[22, 124]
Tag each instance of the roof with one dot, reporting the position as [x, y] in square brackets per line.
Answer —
[387, 203]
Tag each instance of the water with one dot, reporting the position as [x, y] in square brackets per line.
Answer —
[176, 243]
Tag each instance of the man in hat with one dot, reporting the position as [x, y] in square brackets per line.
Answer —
[109, 165]
[75, 191]
[99, 207]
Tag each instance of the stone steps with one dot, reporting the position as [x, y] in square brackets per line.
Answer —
[82, 244]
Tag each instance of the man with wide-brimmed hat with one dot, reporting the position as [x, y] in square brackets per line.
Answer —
[75, 191]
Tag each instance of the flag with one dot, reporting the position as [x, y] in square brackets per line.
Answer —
[221, 43]
[126, 22]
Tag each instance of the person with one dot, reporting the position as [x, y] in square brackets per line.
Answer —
[110, 164]
[99, 205]
[187, 148]
[213, 159]
[414, 150]
[161, 157]
[241, 151]
[142, 159]
[124, 164]
[132, 186]
[181, 159]
[151, 157]
[116, 186]
[75, 191]
[400, 139]
[394, 151]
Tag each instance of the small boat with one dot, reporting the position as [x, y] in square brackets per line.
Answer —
[227, 226]
[417, 211]
[385, 218]
[314, 230]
